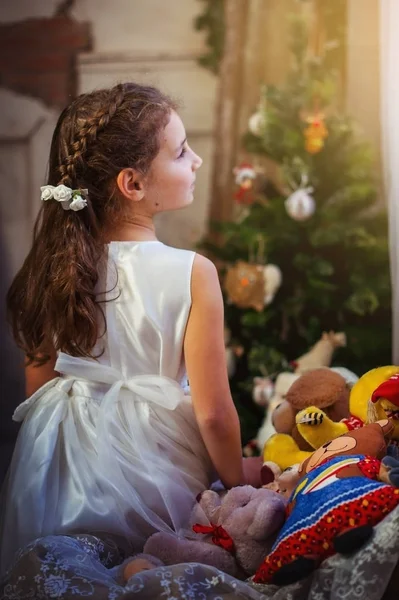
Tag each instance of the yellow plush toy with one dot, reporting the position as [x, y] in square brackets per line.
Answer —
[317, 428]
[364, 388]
[283, 450]
[384, 403]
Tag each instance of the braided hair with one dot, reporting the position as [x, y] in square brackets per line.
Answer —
[52, 301]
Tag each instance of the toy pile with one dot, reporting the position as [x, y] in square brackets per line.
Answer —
[327, 476]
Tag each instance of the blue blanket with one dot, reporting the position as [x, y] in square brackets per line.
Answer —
[69, 567]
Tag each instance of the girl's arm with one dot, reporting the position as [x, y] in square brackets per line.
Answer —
[36, 376]
[207, 373]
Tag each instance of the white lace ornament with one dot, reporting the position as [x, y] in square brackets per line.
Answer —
[69, 199]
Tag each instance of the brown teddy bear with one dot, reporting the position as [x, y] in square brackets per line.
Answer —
[320, 387]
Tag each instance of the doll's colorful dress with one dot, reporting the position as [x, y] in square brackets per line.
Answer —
[324, 505]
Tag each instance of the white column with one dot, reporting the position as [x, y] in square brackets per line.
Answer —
[389, 28]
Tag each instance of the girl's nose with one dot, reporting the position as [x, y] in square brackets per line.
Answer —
[197, 162]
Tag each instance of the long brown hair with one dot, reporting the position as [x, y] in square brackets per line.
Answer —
[52, 302]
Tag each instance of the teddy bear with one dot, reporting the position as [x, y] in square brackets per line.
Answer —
[373, 397]
[335, 505]
[264, 395]
[322, 388]
[241, 525]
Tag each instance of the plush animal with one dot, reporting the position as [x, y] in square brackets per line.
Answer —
[384, 402]
[132, 566]
[282, 482]
[269, 395]
[320, 355]
[364, 388]
[335, 505]
[282, 384]
[241, 528]
[321, 388]
[350, 377]
[263, 390]
[283, 450]
[389, 472]
[375, 396]
[262, 395]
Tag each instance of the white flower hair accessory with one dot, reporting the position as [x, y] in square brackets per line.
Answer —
[70, 199]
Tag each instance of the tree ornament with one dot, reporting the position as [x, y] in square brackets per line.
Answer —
[300, 205]
[252, 285]
[245, 175]
[315, 133]
[257, 123]
[273, 279]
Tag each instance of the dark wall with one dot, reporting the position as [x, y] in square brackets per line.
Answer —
[37, 59]
[12, 383]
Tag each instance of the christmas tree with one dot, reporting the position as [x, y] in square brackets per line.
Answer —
[315, 223]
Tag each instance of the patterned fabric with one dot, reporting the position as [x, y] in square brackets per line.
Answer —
[352, 422]
[370, 467]
[325, 506]
[89, 566]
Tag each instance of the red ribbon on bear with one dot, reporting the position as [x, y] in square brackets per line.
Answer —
[220, 536]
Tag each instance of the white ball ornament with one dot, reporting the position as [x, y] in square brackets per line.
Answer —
[257, 124]
[300, 205]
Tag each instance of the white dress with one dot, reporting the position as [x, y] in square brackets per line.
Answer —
[112, 445]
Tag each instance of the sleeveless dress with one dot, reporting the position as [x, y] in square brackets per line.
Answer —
[112, 445]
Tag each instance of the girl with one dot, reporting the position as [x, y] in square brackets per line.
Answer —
[110, 319]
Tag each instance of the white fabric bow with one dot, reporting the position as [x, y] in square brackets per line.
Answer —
[158, 389]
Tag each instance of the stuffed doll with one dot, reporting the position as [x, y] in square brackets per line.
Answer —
[335, 505]
[242, 525]
[384, 403]
[364, 388]
[282, 482]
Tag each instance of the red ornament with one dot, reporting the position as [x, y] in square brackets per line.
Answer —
[245, 175]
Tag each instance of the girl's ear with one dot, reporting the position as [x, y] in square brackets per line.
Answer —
[130, 184]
